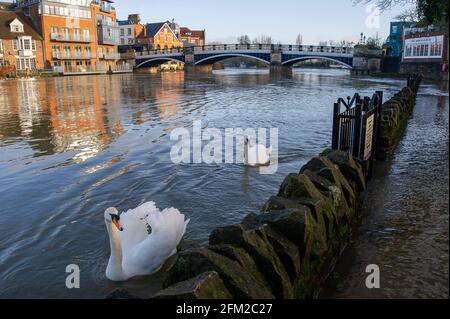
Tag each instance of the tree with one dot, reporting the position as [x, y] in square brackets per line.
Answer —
[323, 43]
[299, 39]
[433, 11]
[244, 39]
[426, 11]
[263, 39]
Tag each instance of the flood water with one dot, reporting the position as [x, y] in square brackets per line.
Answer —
[71, 147]
[404, 227]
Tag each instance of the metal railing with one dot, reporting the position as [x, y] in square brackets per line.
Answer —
[250, 47]
[73, 56]
[356, 129]
[70, 38]
[99, 68]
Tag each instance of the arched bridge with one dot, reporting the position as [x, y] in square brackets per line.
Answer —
[274, 55]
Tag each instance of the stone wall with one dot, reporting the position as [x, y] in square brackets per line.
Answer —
[429, 70]
[394, 117]
[286, 251]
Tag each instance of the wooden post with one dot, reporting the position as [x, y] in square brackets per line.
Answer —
[336, 126]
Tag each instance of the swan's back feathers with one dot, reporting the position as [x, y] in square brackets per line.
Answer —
[135, 224]
[167, 230]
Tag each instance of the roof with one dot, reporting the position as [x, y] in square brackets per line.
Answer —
[153, 28]
[186, 32]
[6, 17]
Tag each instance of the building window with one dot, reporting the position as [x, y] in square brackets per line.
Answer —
[17, 28]
[122, 32]
[26, 44]
[129, 31]
[26, 64]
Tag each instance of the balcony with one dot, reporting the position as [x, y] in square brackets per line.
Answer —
[108, 33]
[25, 53]
[70, 38]
[73, 56]
[111, 56]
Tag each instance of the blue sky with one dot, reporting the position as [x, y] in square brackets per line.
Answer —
[316, 20]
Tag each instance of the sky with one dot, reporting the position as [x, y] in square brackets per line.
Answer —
[224, 21]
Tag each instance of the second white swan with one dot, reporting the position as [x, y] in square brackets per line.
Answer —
[257, 155]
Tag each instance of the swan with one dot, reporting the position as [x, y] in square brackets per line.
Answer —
[257, 155]
[135, 251]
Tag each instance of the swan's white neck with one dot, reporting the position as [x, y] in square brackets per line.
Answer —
[114, 270]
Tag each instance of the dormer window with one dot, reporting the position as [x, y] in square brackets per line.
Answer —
[16, 26]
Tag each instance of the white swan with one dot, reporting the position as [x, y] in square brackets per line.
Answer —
[257, 155]
[135, 252]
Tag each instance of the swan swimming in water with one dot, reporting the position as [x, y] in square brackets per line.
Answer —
[257, 155]
[135, 252]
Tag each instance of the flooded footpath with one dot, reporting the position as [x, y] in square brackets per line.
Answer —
[404, 227]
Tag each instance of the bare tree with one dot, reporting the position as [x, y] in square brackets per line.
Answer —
[244, 39]
[263, 39]
[299, 39]
[386, 4]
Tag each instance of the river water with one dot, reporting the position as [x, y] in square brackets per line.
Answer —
[71, 147]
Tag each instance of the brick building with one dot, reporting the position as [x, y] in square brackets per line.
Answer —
[20, 44]
[425, 51]
[78, 35]
[159, 36]
[192, 37]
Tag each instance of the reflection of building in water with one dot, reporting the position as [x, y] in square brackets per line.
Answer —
[80, 114]
[87, 118]
[167, 96]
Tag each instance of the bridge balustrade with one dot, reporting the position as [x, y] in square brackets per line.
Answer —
[249, 47]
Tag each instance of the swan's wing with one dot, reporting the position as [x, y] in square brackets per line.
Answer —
[168, 228]
[135, 224]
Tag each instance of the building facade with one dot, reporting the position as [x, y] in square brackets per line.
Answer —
[78, 35]
[395, 40]
[192, 37]
[158, 36]
[129, 30]
[21, 45]
[425, 50]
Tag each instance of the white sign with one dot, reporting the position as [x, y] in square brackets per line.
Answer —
[369, 137]
[424, 48]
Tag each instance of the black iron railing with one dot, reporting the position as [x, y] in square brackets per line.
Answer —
[355, 129]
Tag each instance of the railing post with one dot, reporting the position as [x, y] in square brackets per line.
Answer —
[357, 128]
[378, 123]
[336, 126]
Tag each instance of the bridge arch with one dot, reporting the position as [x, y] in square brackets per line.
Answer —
[157, 61]
[318, 57]
[213, 58]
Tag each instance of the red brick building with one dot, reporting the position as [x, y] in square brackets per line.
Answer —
[20, 43]
[192, 37]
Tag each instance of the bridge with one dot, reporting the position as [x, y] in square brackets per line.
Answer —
[279, 57]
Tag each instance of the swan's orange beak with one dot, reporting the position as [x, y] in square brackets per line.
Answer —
[118, 224]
